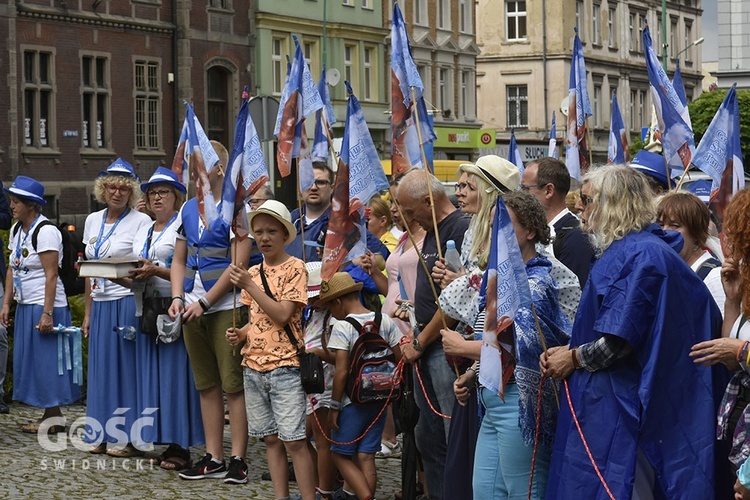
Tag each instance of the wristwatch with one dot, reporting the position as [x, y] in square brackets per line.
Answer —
[416, 345]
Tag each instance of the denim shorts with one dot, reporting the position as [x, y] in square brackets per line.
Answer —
[275, 403]
[353, 422]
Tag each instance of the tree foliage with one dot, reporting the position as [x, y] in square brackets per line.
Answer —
[703, 109]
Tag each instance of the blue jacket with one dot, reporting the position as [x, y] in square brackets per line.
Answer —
[209, 253]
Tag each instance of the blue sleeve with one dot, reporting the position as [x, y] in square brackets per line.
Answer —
[376, 246]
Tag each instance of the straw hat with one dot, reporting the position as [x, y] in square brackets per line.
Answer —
[341, 284]
[278, 211]
[498, 172]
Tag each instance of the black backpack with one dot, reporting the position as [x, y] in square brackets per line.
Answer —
[72, 246]
[372, 375]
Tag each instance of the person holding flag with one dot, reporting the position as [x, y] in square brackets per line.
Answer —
[629, 426]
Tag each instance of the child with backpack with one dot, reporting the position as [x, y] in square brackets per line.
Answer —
[366, 346]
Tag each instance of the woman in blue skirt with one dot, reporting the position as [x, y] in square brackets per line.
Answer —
[165, 376]
[43, 370]
[109, 321]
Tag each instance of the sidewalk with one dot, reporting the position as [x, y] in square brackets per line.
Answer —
[30, 471]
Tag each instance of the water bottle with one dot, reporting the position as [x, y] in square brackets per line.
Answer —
[125, 332]
[452, 257]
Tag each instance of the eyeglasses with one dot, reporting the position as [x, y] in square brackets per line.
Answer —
[121, 189]
[526, 188]
[321, 183]
[585, 200]
[162, 193]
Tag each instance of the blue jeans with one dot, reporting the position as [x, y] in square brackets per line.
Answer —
[432, 430]
[502, 463]
[3, 357]
[275, 403]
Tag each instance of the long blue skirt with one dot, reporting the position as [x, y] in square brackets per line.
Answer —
[112, 402]
[36, 378]
[166, 384]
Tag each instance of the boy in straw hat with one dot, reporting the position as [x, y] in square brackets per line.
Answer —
[273, 390]
[349, 421]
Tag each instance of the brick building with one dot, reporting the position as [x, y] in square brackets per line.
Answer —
[92, 80]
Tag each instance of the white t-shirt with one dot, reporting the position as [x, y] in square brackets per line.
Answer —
[29, 268]
[226, 302]
[119, 243]
[160, 252]
[712, 280]
[343, 335]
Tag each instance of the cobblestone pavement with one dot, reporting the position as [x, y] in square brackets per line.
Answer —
[30, 471]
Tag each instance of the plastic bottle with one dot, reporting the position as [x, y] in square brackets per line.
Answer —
[452, 257]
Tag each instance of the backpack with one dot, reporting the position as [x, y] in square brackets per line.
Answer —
[68, 271]
[372, 373]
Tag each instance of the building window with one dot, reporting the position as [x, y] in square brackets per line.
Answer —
[579, 19]
[642, 109]
[518, 106]
[464, 16]
[444, 14]
[370, 81]
[597, 106]
[39, 98]
[220, 4]
[96, 93]
[673, 38]
[420, 12]
[633, 32]
[595, 35]
[658, 42]
[348, 3]
[612, 26]
[467, 95]
[310, 51]
[641, 24]
[426, 76]
[515, 20]
[147, 105]
[688, 41]
[351, 66]
[218, 104]
[367, 4]
[443, 91]
[278, 64]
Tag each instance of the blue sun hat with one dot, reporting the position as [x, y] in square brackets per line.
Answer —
[120, 167]
[653, 165]
[28, 189]
[700, 188]
[164, 175]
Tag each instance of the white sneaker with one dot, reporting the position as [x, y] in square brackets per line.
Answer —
[389, 450]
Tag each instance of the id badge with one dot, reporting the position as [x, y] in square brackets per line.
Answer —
[97, 285]
[17, 290]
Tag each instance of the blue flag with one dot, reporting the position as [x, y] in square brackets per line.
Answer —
[618, 150]
[324, 118]
[299, 99]
[719, 153]
[506, 287]
[679, 87]
[202, 159]
[514, 155]
[579, 108]
[671, 114]
[552, 149]
[246, 171]
[407, 103]
[180, 161]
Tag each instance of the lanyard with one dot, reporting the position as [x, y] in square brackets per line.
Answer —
[147, 244]
[20, 244]
[100, 241]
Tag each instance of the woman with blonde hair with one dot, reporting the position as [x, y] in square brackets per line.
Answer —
[109, 320]
[380, 222]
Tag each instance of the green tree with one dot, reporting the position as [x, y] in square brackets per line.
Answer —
[703, 109]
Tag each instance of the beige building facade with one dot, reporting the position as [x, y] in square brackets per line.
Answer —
[523, 70]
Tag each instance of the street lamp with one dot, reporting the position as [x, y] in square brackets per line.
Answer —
[696, 42]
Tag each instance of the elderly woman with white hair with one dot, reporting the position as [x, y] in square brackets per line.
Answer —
[109, 320]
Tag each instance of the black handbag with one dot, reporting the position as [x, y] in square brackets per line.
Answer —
[152, 307]
[310, 365]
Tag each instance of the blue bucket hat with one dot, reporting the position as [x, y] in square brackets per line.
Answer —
[164, 175]
[700, 188]
[653, 165]
[120, 167]
[28, 189]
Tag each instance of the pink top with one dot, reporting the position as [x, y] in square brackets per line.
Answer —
[405, 264]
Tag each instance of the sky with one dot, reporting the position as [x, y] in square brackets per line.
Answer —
[709, 21]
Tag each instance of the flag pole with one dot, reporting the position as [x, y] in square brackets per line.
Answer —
[301, 215]
[234, 289]
[427, 176]
[588, 144]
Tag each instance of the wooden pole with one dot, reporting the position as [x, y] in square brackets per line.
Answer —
[544, 346]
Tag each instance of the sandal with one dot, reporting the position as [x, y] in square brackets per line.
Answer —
[176, 458]
[126, 452]
[33, 428]
[99, 449]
